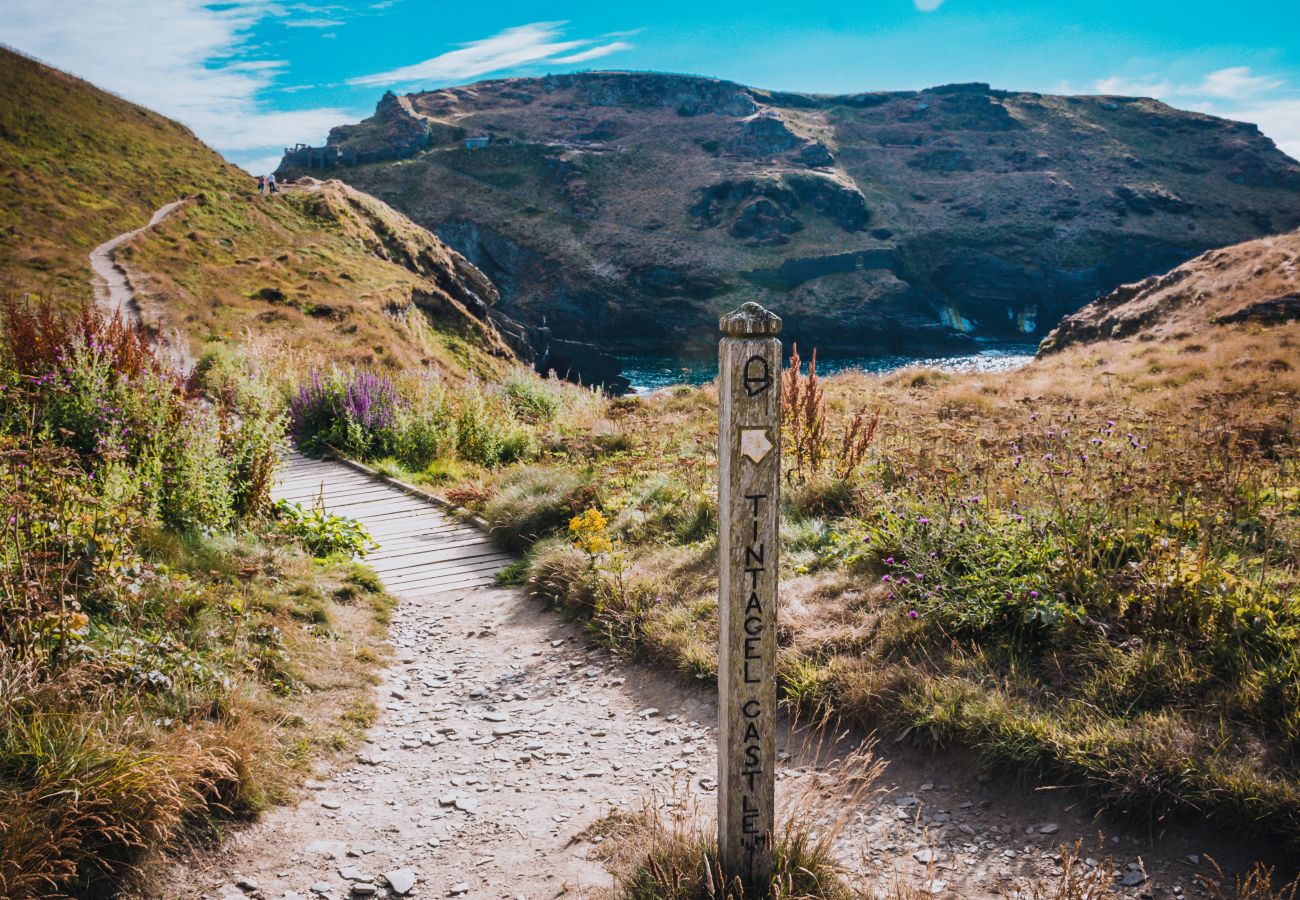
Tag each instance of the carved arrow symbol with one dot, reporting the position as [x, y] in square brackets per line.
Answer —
[755, 444]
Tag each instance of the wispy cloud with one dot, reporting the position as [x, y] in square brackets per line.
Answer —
[1235, 83]
[1119, 86]
[1277, 118]
[183, 58]
[312, 23]
[928, 5]
[518, 46]
[1231, 93]
[593, 53]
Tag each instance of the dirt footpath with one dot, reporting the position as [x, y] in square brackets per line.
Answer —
[505, 734]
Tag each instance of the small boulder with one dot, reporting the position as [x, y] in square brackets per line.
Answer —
[400, 880]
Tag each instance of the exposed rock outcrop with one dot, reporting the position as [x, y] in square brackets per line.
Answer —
[610, 199]
[1258, 281]
[762, 136]
[764, 211]
[392, 133]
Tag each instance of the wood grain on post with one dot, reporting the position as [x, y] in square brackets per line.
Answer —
[749, 475]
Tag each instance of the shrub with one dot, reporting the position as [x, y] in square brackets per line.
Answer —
[486, 433]
[530, 398]
[197, 492]
[355, 412]
[426, 426]
[252, 424]
[532, 504]
[323, 533]
[150, 442]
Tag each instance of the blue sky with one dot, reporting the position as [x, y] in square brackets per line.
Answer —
[251, 76]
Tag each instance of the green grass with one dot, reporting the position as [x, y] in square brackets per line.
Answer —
[83, 165]
[1096, 586]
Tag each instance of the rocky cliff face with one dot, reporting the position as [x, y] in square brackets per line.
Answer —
[454, 291]
[1255, 282]
[630, 209]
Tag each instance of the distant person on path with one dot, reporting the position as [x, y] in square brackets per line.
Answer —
[270, 183]
[261, 185]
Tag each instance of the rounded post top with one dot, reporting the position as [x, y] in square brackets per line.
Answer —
[750, 321]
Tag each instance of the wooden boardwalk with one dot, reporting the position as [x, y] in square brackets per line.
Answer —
[421, 549]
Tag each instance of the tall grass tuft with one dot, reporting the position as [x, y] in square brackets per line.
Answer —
[674, 855]
[535, 503]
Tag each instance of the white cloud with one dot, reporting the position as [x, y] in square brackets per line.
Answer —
[1279, 119]
[1125, 87]
[928, 5]
[183, 58]
[521, 45]
[1230, 93]
[313, 23]
[1235, 83]
[593, 53]
[261, 165]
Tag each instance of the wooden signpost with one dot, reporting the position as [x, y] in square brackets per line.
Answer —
[749, 474]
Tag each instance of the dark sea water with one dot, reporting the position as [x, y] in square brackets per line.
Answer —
[650, 373]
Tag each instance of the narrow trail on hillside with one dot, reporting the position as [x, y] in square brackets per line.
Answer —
[505, 732]
[114, 293]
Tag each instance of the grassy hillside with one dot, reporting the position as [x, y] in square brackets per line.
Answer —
[325, 272]
[1087, 570]
[1256, 282]
[638, 206]
[321, 272]
[79, 165]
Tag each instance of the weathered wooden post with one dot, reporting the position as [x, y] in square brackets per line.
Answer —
[749, 476]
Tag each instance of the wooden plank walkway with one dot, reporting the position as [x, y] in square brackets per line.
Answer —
[421, 549]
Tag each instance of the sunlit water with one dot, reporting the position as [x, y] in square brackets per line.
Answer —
[651, 373]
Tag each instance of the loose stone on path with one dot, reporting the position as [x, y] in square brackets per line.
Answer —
[503, 747]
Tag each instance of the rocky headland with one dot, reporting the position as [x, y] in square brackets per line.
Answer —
[628, 209]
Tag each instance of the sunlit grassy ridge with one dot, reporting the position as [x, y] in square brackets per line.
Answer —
[328, 272]
[80, 165]
[321, 273]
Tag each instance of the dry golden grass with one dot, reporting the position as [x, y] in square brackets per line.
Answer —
[315, 275]
[1119, 684]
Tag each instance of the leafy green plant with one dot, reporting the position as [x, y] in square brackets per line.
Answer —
[323, 533]
[486, 433]
[531, 400]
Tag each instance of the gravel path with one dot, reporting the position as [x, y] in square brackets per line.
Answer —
[114, 294]
[505, 733]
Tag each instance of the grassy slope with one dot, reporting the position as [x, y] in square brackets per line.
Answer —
[79, 165]
[1113, 532]
[1255, 281]
[322, 274]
